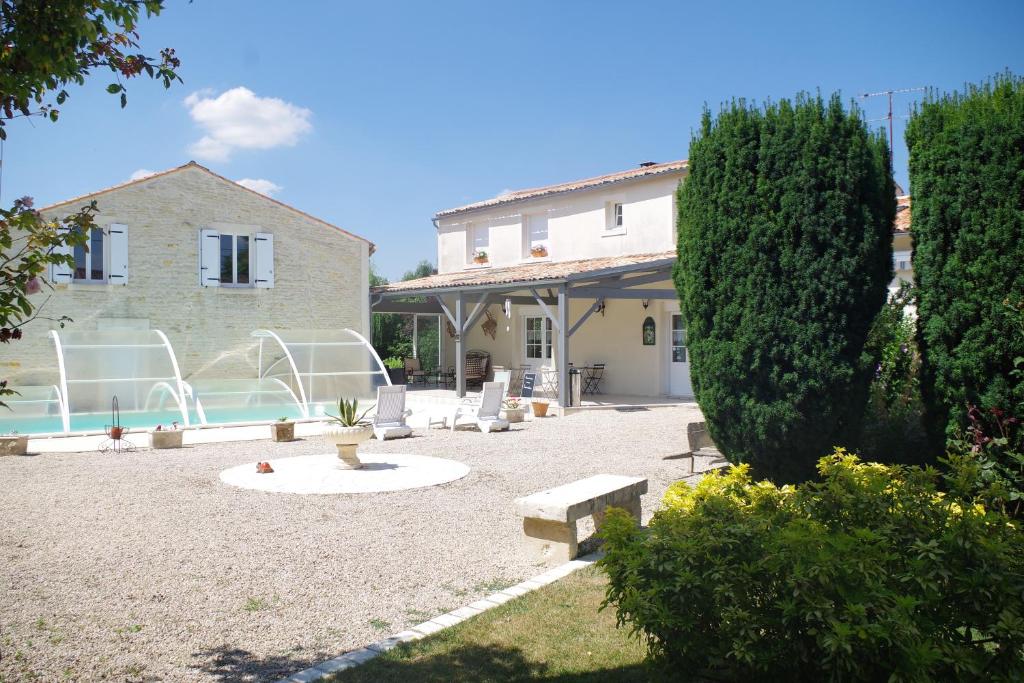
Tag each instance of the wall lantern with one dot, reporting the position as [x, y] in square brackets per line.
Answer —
[645, 303]
[649, 335]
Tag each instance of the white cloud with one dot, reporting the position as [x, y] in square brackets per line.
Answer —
[239, 119]
[261, 185]
[142, 173]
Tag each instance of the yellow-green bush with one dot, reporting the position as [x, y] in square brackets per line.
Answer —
[871, 574]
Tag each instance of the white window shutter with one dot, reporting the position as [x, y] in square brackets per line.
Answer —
[61, 273]
[209, 258]
[264, 260]
[118, 236]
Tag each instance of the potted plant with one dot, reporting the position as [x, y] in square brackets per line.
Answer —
[540, 407]
[396, 370]
[283, 429]
[13, 443]
[346, 431]
[538, 251]
[166, 437]
[513, 410]
[480, 256]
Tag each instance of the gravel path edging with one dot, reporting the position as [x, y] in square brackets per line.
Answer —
[354, 658]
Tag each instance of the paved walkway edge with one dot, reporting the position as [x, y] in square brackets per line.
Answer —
[354, 658]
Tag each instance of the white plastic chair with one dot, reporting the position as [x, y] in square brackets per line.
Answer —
[487, 411]
[389, 421]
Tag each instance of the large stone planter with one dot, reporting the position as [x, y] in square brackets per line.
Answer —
[347, 440]
[13, 445]
[282, 431]
[513, 414]
[166, 438]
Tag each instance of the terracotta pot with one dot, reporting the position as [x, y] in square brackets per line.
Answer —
[116, 433]
[13, 445]
[166, 438]
[282, 431]
[479, 259]
[539, 409]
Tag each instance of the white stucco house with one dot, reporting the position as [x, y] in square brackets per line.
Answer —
[577, 272]
[204, 260]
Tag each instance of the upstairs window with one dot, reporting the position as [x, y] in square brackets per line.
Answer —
[617, 215]
[479, 241]
[615, 221]
[89, 261]
[537, 236]
[236, 259]
[901, 260]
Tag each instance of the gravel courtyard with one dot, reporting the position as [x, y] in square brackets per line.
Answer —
[146, 567]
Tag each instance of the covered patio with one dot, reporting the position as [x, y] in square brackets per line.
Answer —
[568, 294]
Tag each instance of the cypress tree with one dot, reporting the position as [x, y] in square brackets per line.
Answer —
[967, 178]
[784, 257]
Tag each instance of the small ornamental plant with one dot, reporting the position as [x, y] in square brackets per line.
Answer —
[512, 403]
[480, 256]
[282, 419]
[538, 251]
[348, 414]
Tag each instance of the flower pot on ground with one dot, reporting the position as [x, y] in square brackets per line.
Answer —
[282, 430]
[513, 410]
[13, 444]
[346, 431]
[162, 437]
[540, 408]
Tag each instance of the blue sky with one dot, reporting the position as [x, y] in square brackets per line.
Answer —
[374, 116]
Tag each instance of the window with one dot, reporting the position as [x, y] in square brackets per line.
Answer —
[901, 260]
[678, 339]
[479, 239]
[234, 259]
[615, 218]
[537, 235]
[538, 337]
[89, 262]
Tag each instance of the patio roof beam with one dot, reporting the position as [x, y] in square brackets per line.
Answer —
[623, 281]
[613, 293]
[590, 311]
[460, 347]
[562, 326]
[407, 307]
[448, 313]
[472, 289]
[481, 305]
[518, 300]
[544, 306]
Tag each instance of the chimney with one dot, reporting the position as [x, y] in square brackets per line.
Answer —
[647, 164]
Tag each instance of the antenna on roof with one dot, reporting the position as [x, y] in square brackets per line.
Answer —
[889, 94]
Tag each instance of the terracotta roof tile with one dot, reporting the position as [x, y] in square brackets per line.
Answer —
[902, 222]
[532, 193]
[524, 272]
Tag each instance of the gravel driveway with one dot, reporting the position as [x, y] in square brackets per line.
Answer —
[145, 567]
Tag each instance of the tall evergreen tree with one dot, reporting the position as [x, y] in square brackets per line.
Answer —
[967, 178]
[784, 256]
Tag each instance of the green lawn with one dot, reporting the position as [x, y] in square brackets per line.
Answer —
[552, 634]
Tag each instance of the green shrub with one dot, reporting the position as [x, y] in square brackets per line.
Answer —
[785, 254]
[872, 574]
[893, 427]
[967, 178]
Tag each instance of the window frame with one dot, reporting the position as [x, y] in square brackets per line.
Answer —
[614, 217]
[250, 257]
[87, 253]
[546, 343]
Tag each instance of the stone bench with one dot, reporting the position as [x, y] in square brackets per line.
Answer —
[549, 517]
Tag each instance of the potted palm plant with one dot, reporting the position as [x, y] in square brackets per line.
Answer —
[480, 256]
[283, 429]
[346, 431]
[513, 410]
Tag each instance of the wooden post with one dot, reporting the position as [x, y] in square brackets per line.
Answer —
[563, 346]
[460, 346]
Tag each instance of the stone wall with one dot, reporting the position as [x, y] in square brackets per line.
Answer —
[321, 278]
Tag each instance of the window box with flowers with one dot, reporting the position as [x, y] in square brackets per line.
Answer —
[539, 251]
[480, 257]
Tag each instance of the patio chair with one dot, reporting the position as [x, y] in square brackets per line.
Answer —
[414, 371]
[592, 379]
[487, 411]
[505, 377]
[389, 420]
[477, 363]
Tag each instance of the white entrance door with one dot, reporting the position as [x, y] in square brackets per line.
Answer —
[679, 358]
